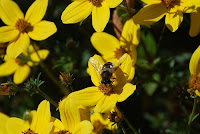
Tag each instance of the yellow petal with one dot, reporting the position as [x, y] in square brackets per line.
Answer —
[76, 12]
[42, 30]
[3, 120]
[8, 33]
[130, 33]
[42, 118]
[100, 16]
[15, 48]
[95, 64]
[151, 1]
[8, 68]
[21, 74]
[10, 12]
[194, 65]
[173, 20]
[16, 125]
[113, 3]
[128, 90]
[195, 24]
[42, 53]
[85, 128]
[86, 97]
[131, 74]
[197, 92]
[69, 114]
[150, 14]
[105, 44]
[106, 103]
[58, 125]
[36, 11]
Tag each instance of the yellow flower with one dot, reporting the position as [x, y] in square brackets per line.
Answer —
[112, 49]
[20, 29]
[101, 122]
[3, 120]
[39, 124]
[194, 67]
[78, 10]
[105, 96]
[71, 121]
[157, 9]
[195, 23]
[21, 67]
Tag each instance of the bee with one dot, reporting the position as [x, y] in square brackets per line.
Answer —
[106, 70]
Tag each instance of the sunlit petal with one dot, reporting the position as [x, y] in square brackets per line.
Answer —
[127, 90]
[21, 74]
[42, 30]
[8, 68]
[194, 65]
[8, 33]
[36, 11]
[113, 3]
[76, 12]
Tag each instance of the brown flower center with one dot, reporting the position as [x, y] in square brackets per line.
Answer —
[96, 2]
[194, 82]
[170, 3]
[29, 131]
[64, 132]
[120, 52]
[23, 26]
[106, 89]
[98, 127]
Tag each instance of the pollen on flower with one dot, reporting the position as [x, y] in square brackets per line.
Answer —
[96, 2]
[120, 52]
[98, 127]
[64, 132]
[29, 131]
[170, 3]
[23, 26]
[106, 89]
[194, 82]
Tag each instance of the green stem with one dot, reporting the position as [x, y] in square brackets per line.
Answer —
[191, 115]
[50, 75]
[130, 126]
[47, 97]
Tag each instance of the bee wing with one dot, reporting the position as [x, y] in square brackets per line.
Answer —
[96, 64]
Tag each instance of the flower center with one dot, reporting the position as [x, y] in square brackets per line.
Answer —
[194, 82]
[98, 127]
[170, 3]
[96, 2]
[120, 52]
[29, 131]
[64, 132]
[23, 26]
[106, 88]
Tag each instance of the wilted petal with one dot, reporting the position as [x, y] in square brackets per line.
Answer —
[76, 12]
[42, 30]
[100, 16]
[21, 74]
[36, 11]
[8, 33]
[15, 48]
[10, 12]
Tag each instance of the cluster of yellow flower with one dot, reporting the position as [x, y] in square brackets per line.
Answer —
[111, 73]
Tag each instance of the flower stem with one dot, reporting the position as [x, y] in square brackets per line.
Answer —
[130, 126]
[47, 97]
[63, 89]
[191, 115]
